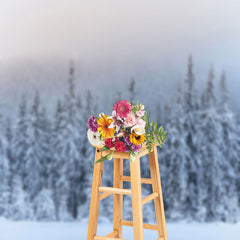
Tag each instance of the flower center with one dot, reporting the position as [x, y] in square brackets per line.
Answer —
[106, 126]
[122, 108]
[94, 136]
[137, 137]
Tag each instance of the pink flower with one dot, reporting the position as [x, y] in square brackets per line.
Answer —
[141, 122]
[122, 108]
[140, 113]
[130, 120]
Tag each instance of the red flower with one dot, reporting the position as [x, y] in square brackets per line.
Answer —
[109, 143]
[122, 108]
[120, 147]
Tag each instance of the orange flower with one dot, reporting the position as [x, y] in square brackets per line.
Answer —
[104, 123]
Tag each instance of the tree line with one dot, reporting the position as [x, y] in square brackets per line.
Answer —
[46, 162]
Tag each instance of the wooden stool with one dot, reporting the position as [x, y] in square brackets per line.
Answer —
[99, 193]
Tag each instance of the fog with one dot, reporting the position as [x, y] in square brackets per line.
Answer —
[128, 37]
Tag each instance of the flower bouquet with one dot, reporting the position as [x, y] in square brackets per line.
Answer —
[126, 130]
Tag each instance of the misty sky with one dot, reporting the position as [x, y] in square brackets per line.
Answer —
[153, 33]
[120, 29]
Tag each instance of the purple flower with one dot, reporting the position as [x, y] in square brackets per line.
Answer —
[126, 148]
[136, 148]
[92, 124]
[127, 140]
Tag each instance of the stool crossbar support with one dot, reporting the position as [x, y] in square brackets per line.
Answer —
[112, 234]
[115, 190]
[143, 180]
[149, 198]
[145, 225]
[100, 192]
[105, 195]
[106, 238]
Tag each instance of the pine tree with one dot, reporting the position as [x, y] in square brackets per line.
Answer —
[44, 206]
[224, 91]
[237, 122]
[9, 156]
[175, 176]
[210, 97]
[58, 179]
[9, 140]
[34, 180]
[21, 208]
[132, 90]
[20, 144]
[4, 174]
[226, 208]
[191, 163]
[209, 139]
[68, 154]
[190, 85]
[87, 158]
[45, 140]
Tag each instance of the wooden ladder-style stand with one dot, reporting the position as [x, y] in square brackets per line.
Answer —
[99, 193]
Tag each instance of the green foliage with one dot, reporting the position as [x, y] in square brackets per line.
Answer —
[132, 155]
[104, 148]
[153, 133]
[136, 107]
[107, 157]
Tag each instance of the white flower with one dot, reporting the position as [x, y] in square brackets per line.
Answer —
[94, 138]
[101, 114]
[138, 129]
[141, 122]
[117, 121]
[141, 107]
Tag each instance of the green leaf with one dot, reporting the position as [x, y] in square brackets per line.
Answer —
[151, 124]
[107, 157]
[132, 156]
[155, 127]
[104, 148]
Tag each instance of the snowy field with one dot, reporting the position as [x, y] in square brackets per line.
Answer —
[78, 231]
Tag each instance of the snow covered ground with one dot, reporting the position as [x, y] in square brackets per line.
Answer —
[78, 231]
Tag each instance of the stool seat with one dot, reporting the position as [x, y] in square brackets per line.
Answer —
[124, 155]
[101, 192]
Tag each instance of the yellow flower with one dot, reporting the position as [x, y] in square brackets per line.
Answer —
[103, 127]
[137, 139]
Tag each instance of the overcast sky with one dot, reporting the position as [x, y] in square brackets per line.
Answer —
[125, 32]
[119, 29]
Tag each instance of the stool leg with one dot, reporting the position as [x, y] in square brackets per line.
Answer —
[158, 202]
[95, 198]
[136, 199]
[117, 198]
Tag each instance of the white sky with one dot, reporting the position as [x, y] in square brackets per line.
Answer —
[158, 34]
[119, 28]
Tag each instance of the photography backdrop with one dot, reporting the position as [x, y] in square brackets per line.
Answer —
[63, 61]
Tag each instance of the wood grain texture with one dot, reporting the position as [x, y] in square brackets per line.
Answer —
[117, 198]
[136, 199]
[145, 225]
[95, 198]
[158, 202]
[124, 155]
[136, 193]
[143, 180]
[115, 190]
[106, 238]
[149, 198]
[113, 234]
[104, 195]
